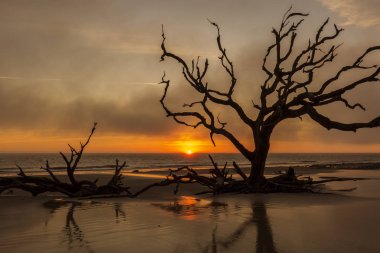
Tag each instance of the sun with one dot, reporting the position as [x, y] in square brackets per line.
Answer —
[189, 152]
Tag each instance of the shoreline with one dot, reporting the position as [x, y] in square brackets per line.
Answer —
[138, 181]
[270, 170]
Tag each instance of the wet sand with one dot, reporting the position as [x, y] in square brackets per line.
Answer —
[158, 221]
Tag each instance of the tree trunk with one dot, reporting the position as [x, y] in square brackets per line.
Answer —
[70, 174]
[258, 161]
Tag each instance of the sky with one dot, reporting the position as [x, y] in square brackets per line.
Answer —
[66, 64]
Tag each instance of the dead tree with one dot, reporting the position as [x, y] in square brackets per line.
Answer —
[289, 83]
[73, 188]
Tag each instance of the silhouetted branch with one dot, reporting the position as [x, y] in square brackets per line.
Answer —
[206, 117]
[286, 93]
[239, 171]
[40, 184]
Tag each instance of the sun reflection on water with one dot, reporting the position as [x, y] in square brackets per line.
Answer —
[188, 207]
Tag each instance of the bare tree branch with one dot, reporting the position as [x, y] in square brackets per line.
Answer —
[287, 92]
[41, 184]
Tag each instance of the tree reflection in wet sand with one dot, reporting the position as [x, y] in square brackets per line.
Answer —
[73, 234]
[189, 208]
[186, 208]
[264, 236]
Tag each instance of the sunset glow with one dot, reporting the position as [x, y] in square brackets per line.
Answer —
[190, 126]
[189, 146]
[115, 89]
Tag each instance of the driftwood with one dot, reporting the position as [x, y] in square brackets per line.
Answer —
[218, 180]
[221, 181]
[215, 181]
[74, 188]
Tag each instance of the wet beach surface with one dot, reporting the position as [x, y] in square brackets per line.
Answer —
[162, 222]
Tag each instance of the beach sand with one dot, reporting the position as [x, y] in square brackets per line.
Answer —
[159, 221]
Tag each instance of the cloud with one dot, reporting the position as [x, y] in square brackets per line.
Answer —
[363, 13]
[41, 108]
[66, 65]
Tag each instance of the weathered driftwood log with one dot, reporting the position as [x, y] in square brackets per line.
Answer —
[74, 188]
[220, 181]
[215, 181]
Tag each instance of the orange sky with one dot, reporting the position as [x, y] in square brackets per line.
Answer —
[19, 142]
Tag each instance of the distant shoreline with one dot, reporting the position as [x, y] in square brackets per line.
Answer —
[101, 169]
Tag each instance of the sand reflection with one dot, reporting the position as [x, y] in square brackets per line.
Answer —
[190, 208]
[73, 234]
[258, 221]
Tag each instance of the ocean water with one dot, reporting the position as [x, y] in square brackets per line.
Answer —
[153, 162]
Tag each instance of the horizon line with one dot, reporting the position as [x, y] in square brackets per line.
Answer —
[43, 152]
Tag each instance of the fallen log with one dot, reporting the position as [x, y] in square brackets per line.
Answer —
[41, 184]
[218, 181]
